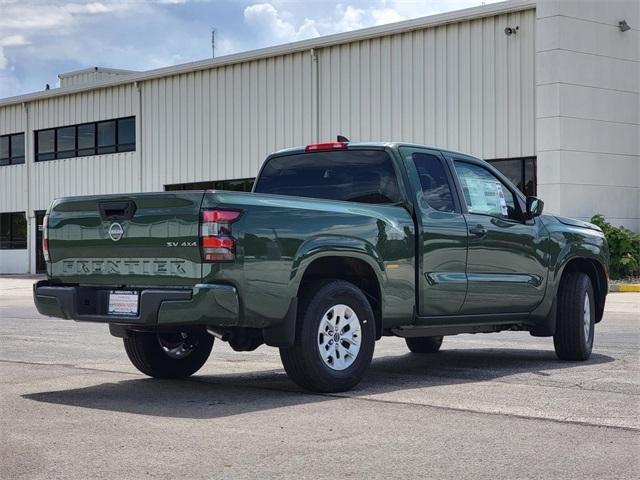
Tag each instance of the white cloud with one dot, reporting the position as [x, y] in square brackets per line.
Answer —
[9, 41]
[269, 23]
[13, 41]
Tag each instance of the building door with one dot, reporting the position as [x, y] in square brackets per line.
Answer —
[41, 265]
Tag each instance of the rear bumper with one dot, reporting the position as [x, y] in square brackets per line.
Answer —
[204, 304]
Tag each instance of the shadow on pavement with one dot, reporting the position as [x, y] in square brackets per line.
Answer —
[219, 396]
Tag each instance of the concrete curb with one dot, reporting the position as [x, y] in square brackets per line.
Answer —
[624, 287]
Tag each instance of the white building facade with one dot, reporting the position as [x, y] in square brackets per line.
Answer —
[555, 104]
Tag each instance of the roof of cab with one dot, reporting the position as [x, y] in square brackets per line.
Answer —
[302, 148]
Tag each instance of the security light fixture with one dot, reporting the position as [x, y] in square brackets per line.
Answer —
[511, 30]
[623, 25]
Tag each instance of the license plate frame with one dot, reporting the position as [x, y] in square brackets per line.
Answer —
[123, 303]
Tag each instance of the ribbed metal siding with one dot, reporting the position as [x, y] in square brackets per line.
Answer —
[98, 174]
[13, 178]
[464, 86]
[86, 77]
[221, 123]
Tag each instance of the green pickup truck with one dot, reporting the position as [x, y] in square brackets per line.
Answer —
[338, 244]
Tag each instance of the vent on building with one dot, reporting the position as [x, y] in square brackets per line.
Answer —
[90, 75]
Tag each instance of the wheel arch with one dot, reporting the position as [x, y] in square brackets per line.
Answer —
[597, 274]
[351, 268]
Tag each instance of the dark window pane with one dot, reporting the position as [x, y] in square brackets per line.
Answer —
[19, 230]
[4, 147]
[127, 131]
[17, 146]
[66, 140]
[365, 176]
[106, 134]
[87, 151]
[127, 147]
[5, 230]
[530, 183]
[86, 136]
[46, 156]
[46, 141]
[13, 231]
[512, 169]
[484, 193]
[191, 186]
[435, 184]
[103, 150]
[242, 185]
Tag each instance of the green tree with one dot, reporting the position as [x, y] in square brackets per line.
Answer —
[624, 247]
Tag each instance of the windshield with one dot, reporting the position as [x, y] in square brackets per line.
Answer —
[365, 176]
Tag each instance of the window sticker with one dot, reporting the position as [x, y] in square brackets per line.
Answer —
[503, 202]
[483, 195]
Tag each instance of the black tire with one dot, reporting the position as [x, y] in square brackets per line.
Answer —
[424, 344]
[147, 354]
[571, 342]
[303, 362]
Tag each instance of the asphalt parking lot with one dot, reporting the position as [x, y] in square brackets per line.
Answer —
[487, 406]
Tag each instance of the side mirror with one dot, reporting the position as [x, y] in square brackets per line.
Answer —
[534, 207]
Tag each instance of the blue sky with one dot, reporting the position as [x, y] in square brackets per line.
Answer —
[41, 38]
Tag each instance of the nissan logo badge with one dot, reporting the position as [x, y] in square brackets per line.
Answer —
[116, 231]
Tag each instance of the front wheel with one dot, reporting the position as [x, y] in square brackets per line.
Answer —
[575, 323]
[335, 339]
[168, 354]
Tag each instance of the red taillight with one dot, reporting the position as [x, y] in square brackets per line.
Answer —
[227, 216]
[215, 235]
[320, 147]
[217, 242]
[45, 238]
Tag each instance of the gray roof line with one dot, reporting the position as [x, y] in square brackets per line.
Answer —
[97, 69]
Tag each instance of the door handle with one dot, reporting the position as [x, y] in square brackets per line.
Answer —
[478, 231]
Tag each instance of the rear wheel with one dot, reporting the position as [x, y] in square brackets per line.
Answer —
[575, 323]
[424, 344]
[335, 339]
[168, 354]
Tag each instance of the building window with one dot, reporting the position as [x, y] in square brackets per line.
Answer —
[12, 149]
[96, 138]
[239, 185]
[521, 172]
[13, 231]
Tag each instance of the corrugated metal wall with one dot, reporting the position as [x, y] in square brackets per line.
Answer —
[87, 77]
[220, 123]
[463, 86]
[13, 178]
[88, 175]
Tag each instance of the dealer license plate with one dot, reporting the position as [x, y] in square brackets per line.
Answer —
[123, 302]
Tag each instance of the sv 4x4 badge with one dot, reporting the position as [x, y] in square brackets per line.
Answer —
[182, 244]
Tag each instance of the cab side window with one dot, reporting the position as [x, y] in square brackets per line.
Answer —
[484, 193]
[436, 189]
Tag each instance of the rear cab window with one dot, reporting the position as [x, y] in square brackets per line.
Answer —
[365, 176]
[436, 189]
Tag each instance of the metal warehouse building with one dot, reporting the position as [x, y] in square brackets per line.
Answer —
[554, 102]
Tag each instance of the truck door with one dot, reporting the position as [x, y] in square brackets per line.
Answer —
[442, 244]
[506, 262]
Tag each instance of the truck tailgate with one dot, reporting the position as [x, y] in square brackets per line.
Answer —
[134, 240]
